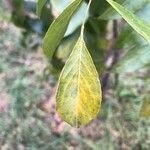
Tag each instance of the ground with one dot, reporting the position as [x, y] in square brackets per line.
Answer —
[28, 119]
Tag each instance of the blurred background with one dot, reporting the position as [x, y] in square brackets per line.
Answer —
[28, 80]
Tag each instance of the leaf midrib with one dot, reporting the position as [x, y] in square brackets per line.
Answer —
[78, 78]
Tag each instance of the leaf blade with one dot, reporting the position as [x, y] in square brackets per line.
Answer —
[58, 28]
[137, 7]
[78, 95]
[136, 23]
[129, 62]
[39, 6]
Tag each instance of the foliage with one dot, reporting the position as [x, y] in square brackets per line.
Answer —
[75, 88]
[54, 35]
[131, 57]
[28, 119]
[141, 27]
[58, 28]
[40, 5]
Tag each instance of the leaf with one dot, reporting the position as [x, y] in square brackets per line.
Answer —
[145, 109]
[78, 95]
[65, 48]
[127, 38]
[134, 59]
[140, 8]
[58, 28]
[137, 24]
[98, 7]
[110, 13]
[76, 20]
[39, 5]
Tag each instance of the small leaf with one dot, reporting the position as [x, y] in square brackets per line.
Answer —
[134, 59]
[39, 6]
[136, 23]
[58, 28]
[145, 109]
[78, 95]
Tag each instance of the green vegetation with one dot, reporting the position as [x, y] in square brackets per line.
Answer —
[28, 118]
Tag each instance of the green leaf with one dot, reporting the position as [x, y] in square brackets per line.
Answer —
[127, 38]
[98, 7]
[76, 20]
[58, 28]
[137, 24]
[145, 109]
[78, 95]
[138, 7]
[134, 59]
[65, 48]
[39, 6]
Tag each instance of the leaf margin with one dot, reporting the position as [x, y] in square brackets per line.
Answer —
[100, 98]
[135, 21]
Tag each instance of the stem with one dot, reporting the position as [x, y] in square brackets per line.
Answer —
[115, 54]
[115, 29]
[86, 13]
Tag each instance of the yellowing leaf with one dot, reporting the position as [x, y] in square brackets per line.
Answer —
[78, 95]
[145, 109]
